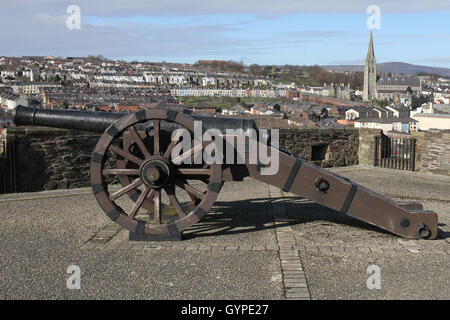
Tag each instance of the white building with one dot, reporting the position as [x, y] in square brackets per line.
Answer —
[206, 81]
[404, 125]
[10, 101]
[427, 121]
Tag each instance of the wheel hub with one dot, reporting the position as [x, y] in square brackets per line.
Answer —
[155, 173]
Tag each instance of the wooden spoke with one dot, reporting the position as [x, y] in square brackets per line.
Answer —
[122, 191]
[135, 135]
[193, 151]
[157, 207]
[139, 202]
[151, 196]
[194, 199]
[147, 195]
[190, 189]
[170, 148]
[127, 172]
[195, 171]
[192, 196]
[174, 201]
[156, 136]
[125, 154]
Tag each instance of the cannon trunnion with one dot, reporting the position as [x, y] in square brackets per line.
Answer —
[160, 194]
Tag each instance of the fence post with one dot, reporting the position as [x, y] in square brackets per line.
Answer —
[3, 169]
[375, 154]
[413, 157]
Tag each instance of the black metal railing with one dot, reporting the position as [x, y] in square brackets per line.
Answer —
[395, 152]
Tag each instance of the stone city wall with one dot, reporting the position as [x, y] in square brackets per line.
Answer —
[49, 159]
[433, 152]
[323, 147]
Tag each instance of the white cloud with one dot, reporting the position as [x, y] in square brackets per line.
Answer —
[199, 7]
[45, 34]
[31, 27]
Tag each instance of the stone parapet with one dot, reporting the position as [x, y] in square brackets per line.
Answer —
[433, 152]
[324, 147]
[57, 159]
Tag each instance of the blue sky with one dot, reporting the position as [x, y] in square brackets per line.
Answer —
[276, 32]
[310, 38]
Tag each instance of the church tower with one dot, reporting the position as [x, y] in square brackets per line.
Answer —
[370, 74]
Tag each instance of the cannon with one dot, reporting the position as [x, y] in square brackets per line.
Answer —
[159, 195]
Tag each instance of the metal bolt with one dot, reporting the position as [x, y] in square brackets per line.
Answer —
[322, 185]
[423, 231]
[153, 174]
[133, 149]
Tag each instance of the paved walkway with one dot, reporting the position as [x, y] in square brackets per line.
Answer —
[257, 243]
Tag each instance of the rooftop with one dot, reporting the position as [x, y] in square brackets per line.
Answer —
[387, 120]
[432, 115]
[399, 81]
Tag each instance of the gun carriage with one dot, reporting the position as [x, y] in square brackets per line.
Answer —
[143, 142]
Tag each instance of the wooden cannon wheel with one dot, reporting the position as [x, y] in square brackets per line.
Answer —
[149, 173]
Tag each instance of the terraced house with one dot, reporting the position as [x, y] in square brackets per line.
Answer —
[10, 101]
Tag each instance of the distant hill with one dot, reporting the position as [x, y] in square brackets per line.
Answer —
[394, 67]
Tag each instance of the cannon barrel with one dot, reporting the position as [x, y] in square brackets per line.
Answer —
[65, 119]
[100, 121]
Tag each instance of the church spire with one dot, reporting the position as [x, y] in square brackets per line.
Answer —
[370, 73]
[371, 51]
